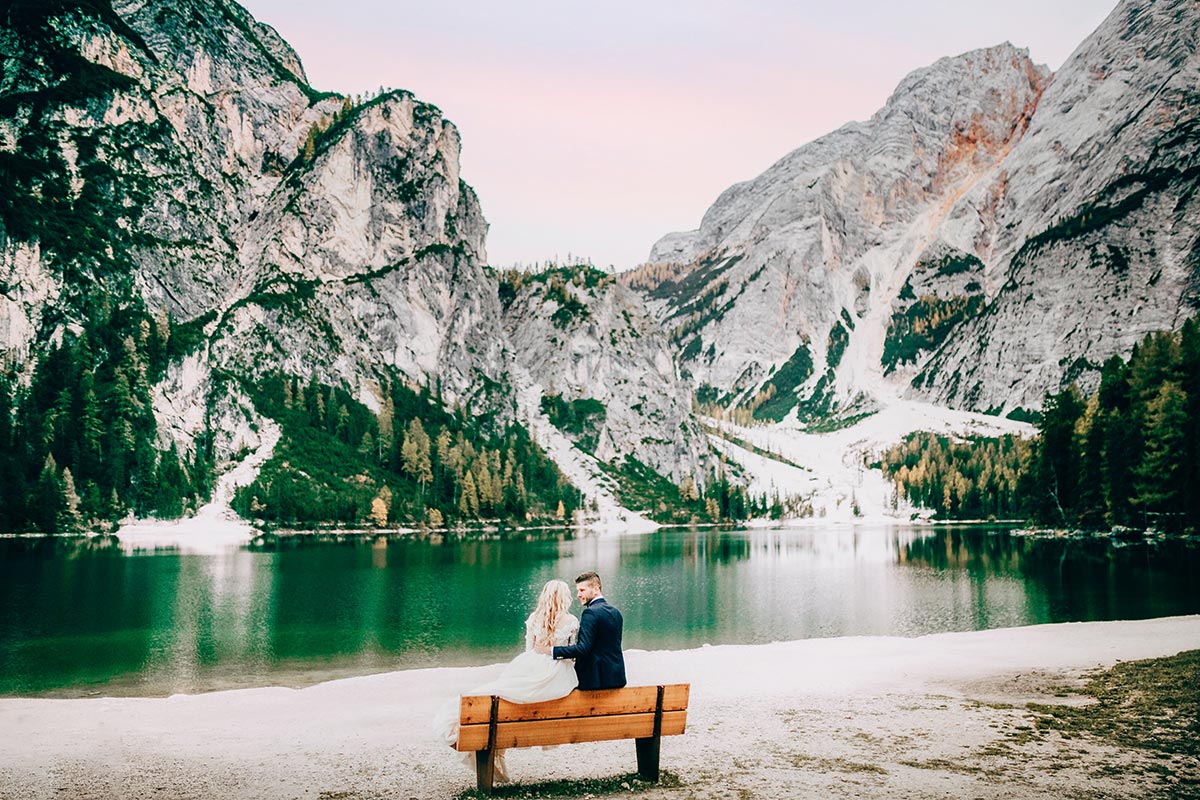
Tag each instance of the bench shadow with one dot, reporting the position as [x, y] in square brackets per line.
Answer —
[618, 784]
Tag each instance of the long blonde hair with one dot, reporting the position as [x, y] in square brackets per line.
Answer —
[552, 606]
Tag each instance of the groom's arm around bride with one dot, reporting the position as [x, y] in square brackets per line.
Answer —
[597, 652]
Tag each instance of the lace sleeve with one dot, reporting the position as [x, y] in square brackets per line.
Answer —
[567, 632]
[529, 633]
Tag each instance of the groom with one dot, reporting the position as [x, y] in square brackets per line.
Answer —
[597, 652]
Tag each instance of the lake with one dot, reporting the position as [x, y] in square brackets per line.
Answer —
[82, 617]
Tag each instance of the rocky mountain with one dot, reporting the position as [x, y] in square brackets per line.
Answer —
[172, 156]
[992, 233]
[601, 368]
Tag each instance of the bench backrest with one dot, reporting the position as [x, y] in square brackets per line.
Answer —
[634, 712]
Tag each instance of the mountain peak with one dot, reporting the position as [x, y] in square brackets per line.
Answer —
[974, 75]
[972, 242]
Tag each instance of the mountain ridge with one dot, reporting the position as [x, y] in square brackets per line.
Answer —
[920, 276]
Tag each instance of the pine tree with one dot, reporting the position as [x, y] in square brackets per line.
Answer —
[1057, 464]
[114, 509]
[1189, 457]
[91, 428]
[1089, 431]
[49, 500]
[301, 397]
[712, 508]
[483, 483]
[385, 421]
[316, 403]
[497, 487]
[366, 446]
[119, 440]
[69, 519]
[1159, 493]
[687, 490]
[522, 502]
[342, 427]
[469, 502]
[12, 481]
[310, 144]
[91, 508]
[443, 447]
[414, 453]
[424, 462]
[507, 486]
[172, 485]
[379, 507]
[1154, 362]
[1121, 440]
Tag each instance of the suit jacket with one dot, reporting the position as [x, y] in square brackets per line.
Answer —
[597, 652]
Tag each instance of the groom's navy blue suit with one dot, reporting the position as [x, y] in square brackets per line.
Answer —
[597, 652]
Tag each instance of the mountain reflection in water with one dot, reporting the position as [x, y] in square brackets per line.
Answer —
[80, 616]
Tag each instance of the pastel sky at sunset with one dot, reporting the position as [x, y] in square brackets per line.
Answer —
[593, 129]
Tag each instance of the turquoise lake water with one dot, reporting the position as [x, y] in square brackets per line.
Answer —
[79, 618]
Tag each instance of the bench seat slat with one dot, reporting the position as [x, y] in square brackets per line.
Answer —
[533, 733]
[602, 702]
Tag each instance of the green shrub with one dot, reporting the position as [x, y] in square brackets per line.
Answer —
[924, 325]
[581, 419]
[780, 390]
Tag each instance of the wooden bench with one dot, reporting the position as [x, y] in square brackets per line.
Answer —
[643, 713]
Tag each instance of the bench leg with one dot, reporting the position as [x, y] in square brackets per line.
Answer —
[485, 770]
[647, 757]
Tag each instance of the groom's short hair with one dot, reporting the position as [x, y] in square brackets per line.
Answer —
[589, 577]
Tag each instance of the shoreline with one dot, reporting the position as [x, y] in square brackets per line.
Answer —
[183, 533]
[794, 523]
[789, 717]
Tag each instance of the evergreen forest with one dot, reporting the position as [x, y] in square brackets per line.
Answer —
[642, 489]
[415, 462]
[79, 448]
[976, 479]
[1128, 455]
[78, 442]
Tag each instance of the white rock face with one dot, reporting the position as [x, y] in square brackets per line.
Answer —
[1089, 232]
[27, 290]
[611, 352]
[1055, 217]
[369, 258]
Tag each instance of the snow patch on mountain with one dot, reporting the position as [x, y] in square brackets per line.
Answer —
[216, 526]
[829, 470]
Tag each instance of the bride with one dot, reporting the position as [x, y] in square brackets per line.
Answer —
[530, 677]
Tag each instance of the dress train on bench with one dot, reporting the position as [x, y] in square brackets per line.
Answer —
[528, 678]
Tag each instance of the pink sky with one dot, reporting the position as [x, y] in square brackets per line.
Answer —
[594, 129]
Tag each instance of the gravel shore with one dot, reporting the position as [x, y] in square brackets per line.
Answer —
[930, 717]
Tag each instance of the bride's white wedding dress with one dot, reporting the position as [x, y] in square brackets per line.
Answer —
[528, 678]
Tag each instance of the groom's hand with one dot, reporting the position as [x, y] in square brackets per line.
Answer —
[542, 650]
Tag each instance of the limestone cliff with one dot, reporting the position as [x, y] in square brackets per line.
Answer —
[991, 234]
[603, 370]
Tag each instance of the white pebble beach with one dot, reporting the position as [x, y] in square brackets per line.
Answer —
[872, 716]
